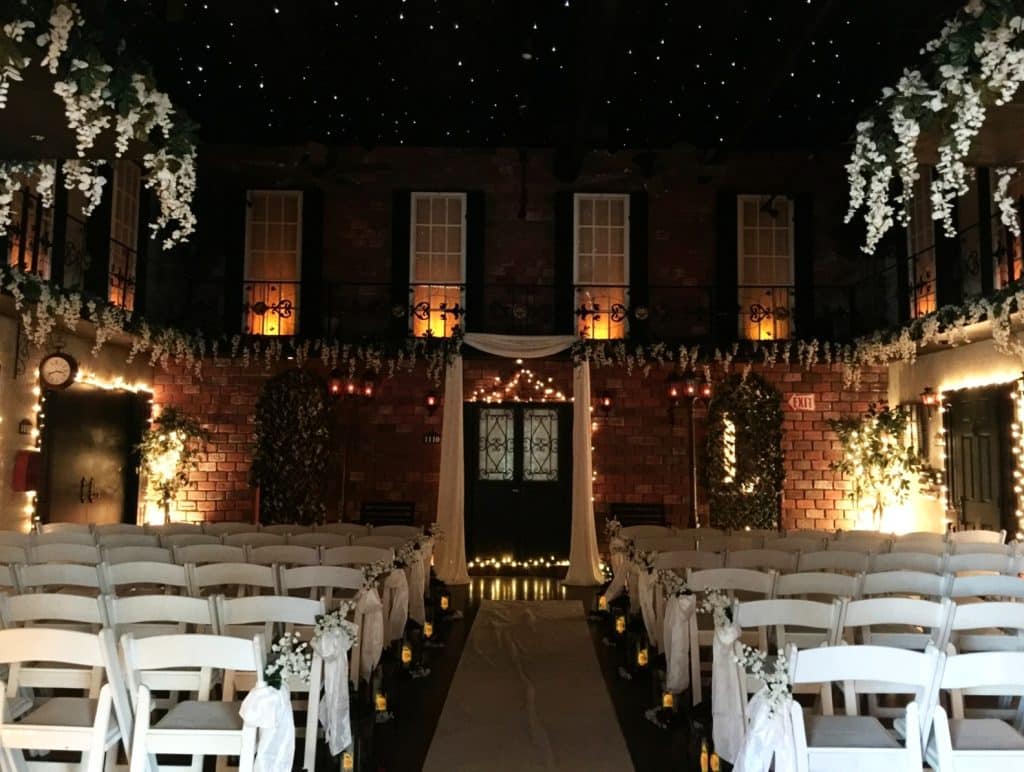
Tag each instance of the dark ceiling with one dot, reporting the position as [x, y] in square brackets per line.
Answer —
[577, 73]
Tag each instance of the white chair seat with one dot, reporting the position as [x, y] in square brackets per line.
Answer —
[848, 732]
[207, 716]
[984, 734]
[68, 711]
[62, 722]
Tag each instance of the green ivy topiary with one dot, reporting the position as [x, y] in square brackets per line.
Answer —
[744, 483]
[291, 448]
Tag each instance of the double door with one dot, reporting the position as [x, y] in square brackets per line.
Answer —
[518, 480]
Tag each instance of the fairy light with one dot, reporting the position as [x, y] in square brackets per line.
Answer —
[941, 442]
[1017, 448]
[524, 385]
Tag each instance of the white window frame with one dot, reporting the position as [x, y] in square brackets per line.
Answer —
[414, 201]
[921, 209]
[118, 188]
[576, 199]
[297, 194]
[757, 199]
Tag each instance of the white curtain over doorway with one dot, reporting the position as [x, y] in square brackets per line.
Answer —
[584, 559]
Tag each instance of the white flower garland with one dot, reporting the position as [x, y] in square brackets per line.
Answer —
[290, 659]
[1004, 201]
[64, 17]
[84, 177]
[338, 620]
[718, 604]
[775, 679]
[10, 70]
[674, 584]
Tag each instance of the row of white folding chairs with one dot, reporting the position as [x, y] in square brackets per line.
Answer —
[373, 547]
[221, 528]
[839, 560]
[923, 733]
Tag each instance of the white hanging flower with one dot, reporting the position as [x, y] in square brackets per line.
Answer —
[174, 180]
[83, 176]
[1004, 201]
[63, 18]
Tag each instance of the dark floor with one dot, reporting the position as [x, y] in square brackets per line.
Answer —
[401, 745]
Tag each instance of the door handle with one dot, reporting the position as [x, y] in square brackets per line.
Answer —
[81, 491]
[90, 497]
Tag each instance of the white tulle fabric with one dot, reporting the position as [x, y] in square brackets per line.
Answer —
[414, 574]
[333, 648]
[451, 485]
[728, 695]
[679, 610]
[646, 583]
[769, 735]
[396, 588]
[618, 583]
[369, 615]
[270, 711]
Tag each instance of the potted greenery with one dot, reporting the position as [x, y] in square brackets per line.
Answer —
[169, 452]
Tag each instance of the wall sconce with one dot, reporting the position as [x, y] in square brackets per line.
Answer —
[24, 426]
[431, 401]
[335, 383]
[675, 389]
[369, 385]
[929, 398]
[690, 385]
[605, 402]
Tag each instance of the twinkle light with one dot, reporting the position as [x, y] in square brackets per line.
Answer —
[1017, 447]
[524, 385]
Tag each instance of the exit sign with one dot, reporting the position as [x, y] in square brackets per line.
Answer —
[801, 402]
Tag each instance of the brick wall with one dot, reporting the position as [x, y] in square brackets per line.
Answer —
[640, 454]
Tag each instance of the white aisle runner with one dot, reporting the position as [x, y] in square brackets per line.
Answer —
[528, 695]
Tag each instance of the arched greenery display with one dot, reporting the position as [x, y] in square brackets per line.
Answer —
[744, 453]
[291, 448]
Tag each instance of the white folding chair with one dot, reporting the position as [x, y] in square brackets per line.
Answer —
[93, 724]
[713, 540]
[65, 528]
[986, 586]
[15, 539]
[238, 578]
[355, 556]
[813, 585]
[58, 610]
[343, 529]
[763, 560]
[148, 615]
[977, 537]
[136, 555]
[59, 577]
[974, 547]
[228, 527]
[961, 744]
[656, 543]
[928, 543]
[871, 542]
[979, 561]
[10, 554]
[987, 626]
[645, 531]
[907, 561]
[9, 579]
[109, 529]
[144, 578]
[169, 529]
[382, 542]
[797, 543]
[61, 536]
[319, 539]
[209, 553]
[738, 541]
[283, 554]
[185, 663]
[322, 581]
[804, 623]
[829, 742]
[405, 531]
[283, 529]
[834, 560]
[254, 539]
[64, 553]
[171, 540]
[139, 539]
[689, 559]
[905, 583]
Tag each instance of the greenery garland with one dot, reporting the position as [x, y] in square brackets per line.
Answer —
[291, 448]
[170, 450]
[744, 453]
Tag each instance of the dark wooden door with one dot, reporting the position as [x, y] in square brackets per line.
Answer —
[979, 455]
[518, 479]
[89, 457]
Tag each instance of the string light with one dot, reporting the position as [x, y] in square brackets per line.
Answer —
[1017, 448]
[524, 385]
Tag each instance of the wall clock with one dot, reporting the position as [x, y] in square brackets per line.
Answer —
[57, 371]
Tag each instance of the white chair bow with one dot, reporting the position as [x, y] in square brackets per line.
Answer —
[397, 586]
[333, 647]
[727, 694]
[646, 580]
[414, 574]
[369, 616]
[769, 735]
[270, 710]
[678, 612]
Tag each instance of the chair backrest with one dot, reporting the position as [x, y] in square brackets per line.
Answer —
[146, 615]
[733, 580]
[322, 580]
[64, 528]
[136, 555]
[41, 577]
[908, 615]
[986, 586]
[907, 561]
[741, 540]
[812, 584]
[254, 539]
[834, 560]
[991, 626]
[128, 577]
[797, 543]
[344, 529]
[355, 555]
[242, 577]
[223, 528]
[406, 531]
[988, 673]
[63, 537]
[15, 539]
[9, 578]
[862, 541]
[909, 583]
[185, 662]
[64, 553]
[776, 560]
[10, 554]
[266, 613]
[170, 529]
[818, 622]
[320, 539]
[139, 539]
[53, 609]
[974, 547]
[209, 553]
[665, 543]
[979, 561]
[933, 543]
[645, 531]
[283, 554]
[694, 559]
[284, 529]
[713, 540]
[978, 537]
[171, 540]
[109, 529]
[383, 542]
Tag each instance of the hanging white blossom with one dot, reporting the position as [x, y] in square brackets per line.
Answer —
[64, 17]
[84, 177]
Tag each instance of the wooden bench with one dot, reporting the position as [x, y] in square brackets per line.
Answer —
[387, 513]
[637, 514]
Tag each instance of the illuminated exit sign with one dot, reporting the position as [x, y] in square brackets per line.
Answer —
[801, 402]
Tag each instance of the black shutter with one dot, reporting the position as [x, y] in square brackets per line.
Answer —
[565, 297]
[948, 281]
[476, 223]
[986, 258]
[639, 277]
[904, 292]
[58, 249]
[147, 208]
[803, 266]
[401, 211]
[97, 240]
[726, 306]
[234, 206]
[312, 295]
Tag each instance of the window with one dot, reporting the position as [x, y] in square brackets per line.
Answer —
[601, 264]
[921, 249]
[1007, 248]
[765, 269]
[437, 270]
[124, 234]
[30, 235]
[273, 262]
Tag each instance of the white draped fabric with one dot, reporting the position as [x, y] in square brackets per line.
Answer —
[645, 590]
[369, 615]
[679, 610]
[270, 710]
[414, 574]
[396, 588]
[769, 735]
[727, 694]
[450, 562]
[333, 647]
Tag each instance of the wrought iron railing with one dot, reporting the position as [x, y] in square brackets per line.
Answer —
[270, 307]
[436, 309]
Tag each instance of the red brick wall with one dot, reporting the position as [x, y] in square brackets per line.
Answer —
[640, 454]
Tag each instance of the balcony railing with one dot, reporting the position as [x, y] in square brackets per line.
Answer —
[436, 309]
[270, 307]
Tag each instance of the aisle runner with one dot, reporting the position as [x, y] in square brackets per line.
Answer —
[528, 695]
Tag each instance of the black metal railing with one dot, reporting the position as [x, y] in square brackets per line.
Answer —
[270, 307]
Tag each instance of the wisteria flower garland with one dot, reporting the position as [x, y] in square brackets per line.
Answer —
[674, 584]
[290, 659]
[1006, 204]
[775, 679]
[718, 604]
[337, 620]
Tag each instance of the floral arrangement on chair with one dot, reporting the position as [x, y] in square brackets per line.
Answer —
[718, 604]
[674, 584]
[290, 658]
[337, 620]
[776, 678]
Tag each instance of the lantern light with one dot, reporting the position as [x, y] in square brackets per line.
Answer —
[929, 398]
[605, 402]
[431, 402]
[335, 383]
[369, 386]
